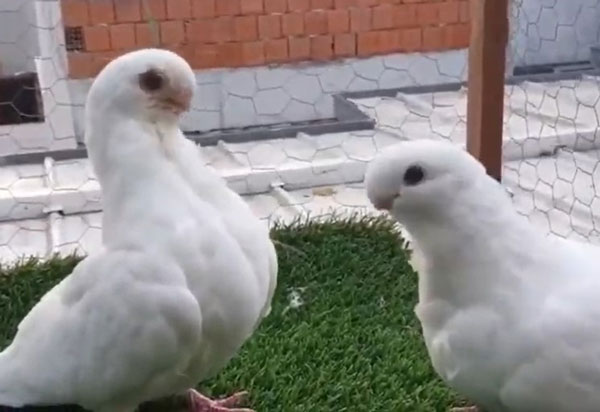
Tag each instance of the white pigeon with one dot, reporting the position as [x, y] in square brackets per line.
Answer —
[185, 276]
[510, 316]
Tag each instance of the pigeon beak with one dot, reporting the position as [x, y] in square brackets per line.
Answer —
[181, 101]
[385, 203]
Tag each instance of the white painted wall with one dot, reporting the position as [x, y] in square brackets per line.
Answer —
[18, 36]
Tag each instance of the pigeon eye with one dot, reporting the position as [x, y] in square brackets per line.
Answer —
[413, 175]
[151, 80]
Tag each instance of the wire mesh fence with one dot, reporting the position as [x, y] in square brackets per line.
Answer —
[550, 150]
[551, 123]
[551, 116]
[35, 108]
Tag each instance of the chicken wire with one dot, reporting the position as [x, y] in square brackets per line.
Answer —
[35, 106]
[551, 128]
[551, 121]
[550, 138]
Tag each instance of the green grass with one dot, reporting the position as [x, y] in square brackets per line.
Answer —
[354, 344]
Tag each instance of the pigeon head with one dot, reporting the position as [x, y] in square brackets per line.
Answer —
[150, 84]
[421, 177]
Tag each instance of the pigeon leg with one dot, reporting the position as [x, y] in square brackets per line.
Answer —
[200, 403]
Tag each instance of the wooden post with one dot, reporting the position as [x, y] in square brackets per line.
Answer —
[487, 63]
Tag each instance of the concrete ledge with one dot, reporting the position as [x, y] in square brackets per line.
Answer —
[348, 118]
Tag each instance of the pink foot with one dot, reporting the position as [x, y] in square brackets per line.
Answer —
[200, 403]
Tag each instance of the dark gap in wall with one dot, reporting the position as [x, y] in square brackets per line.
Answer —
[20, 99]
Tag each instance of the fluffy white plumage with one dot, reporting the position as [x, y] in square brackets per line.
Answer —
[510, 317]
[186, 274]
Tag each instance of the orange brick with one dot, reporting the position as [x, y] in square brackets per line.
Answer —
[216, 31]
[146, 35]
[464, 12]
[96, 38]
[433, 38]
[389, 41]
[457, 36]
[344, 4]
[203, 9]
[252, 7]
[253, 53]
[321, 47]
[210, 31]
[229, 54]
[122, 36]
[128, 11]
[204, 56]
[186, 51]
[427, 13]
[360, 19]
[199, 31]
[106, 57]
[321, 4]
[179, 9]
[344, 44]
[299, 48]
[411, 39]
[315, 22]
[101, 12]
[269, 27]
[366, 3]
[74, 13]
[101, 59]
[449, 12]
[368, 43]
[172, 32]
[292, 24]
[228, 7]
[383, 17]
[155, 9]
[245, 28]
[80, 65]
[338, 21]
[405, 16]
[224, 29]
[275, 6]
[298, 5]
[276, 50]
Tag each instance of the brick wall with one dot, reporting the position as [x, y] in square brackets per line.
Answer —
[235, 33]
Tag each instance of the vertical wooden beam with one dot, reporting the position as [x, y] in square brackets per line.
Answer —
[487, 63]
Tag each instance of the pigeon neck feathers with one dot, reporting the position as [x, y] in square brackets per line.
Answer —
[468, 236]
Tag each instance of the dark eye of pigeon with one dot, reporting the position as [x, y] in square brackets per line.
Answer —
[413, 175]
[151, 80]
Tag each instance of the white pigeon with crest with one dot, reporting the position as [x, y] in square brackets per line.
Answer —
[510, 316]
[186, 274]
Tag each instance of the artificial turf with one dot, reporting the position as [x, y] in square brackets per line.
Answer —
[342, 334]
